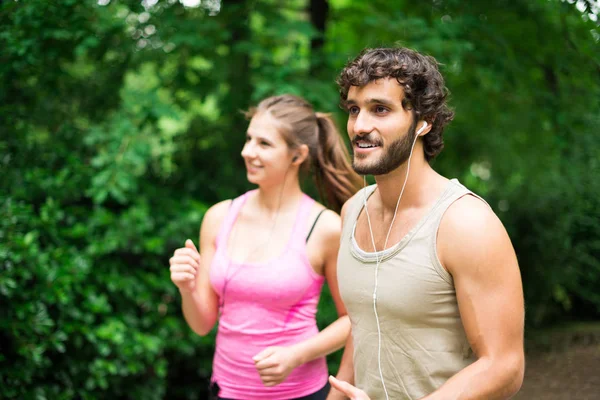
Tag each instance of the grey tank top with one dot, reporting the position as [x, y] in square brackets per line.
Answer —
[423, 342]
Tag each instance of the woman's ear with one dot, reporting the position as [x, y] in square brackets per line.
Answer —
[300, 155]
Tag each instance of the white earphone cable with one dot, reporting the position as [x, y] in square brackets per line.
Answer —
[378, 259]
[233, 234]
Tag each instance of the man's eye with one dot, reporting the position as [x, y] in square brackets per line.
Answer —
[380, 109]
[353, 110]
[263, 143]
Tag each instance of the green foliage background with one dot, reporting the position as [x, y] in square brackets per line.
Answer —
[120, 126]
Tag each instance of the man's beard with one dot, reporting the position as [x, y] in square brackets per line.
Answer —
[394, 156]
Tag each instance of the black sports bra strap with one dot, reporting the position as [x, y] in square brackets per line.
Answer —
[314, 223]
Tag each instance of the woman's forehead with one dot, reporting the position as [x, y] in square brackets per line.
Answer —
[264, 125]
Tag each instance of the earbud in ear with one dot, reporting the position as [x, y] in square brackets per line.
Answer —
[422, 128]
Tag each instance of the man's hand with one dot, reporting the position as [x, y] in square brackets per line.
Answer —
[353, 393]
[275, 363]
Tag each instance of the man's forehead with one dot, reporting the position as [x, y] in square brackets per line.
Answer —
[384, 88]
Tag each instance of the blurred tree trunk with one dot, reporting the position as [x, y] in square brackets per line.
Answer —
[319, 11]
[235, 17]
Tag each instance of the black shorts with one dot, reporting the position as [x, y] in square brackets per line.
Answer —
[320, 394]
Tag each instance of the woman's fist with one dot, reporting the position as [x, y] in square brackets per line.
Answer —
[185, 264]
[275, 363]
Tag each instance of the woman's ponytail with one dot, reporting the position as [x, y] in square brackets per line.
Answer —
[329, 158]
[335, 178]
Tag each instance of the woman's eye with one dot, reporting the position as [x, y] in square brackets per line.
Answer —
[263, 143]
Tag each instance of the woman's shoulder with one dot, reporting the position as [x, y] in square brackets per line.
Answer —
[325, 231]
[217, 212]
[214, 217]
[328, 222]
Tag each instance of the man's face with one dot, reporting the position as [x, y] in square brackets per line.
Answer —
[380, 129]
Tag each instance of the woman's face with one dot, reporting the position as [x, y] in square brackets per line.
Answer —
[266, 154]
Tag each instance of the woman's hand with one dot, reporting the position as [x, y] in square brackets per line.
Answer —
[185, 264]
[353, 393]
[275, 363]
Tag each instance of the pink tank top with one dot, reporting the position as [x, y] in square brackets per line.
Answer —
[271, 303]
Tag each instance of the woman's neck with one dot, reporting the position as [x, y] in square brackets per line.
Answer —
[279, 197]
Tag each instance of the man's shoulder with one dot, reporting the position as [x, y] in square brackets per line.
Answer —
[469, 214]
[469, 233]
[357, 198]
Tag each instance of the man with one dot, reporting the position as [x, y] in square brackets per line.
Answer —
[426, 270]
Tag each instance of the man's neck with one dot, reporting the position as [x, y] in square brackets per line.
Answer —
[421, 177]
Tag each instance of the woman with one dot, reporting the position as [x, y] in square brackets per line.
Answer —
[265, 257]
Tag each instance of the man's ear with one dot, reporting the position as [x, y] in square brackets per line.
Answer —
[424, 129]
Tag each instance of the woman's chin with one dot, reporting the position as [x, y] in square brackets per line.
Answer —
[252, 178]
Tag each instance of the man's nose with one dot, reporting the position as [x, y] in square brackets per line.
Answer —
[363, 124]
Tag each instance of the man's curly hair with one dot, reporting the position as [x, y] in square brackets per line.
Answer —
[424, 90]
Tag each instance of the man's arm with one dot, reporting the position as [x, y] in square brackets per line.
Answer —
[475, 248]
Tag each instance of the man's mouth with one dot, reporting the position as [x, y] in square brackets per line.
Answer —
[363, 144]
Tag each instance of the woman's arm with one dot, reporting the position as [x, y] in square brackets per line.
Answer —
[199, 300]
[345, 372]
[335, 335]
[275, 363]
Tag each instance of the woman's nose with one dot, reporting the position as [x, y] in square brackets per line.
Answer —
[248, 150]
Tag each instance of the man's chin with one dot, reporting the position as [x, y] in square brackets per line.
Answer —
[370, 169]
[363, 168]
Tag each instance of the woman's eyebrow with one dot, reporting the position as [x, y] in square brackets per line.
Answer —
[257, 136]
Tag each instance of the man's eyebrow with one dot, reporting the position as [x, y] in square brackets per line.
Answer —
[347, 103]
[350, 102]
[384, 102]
